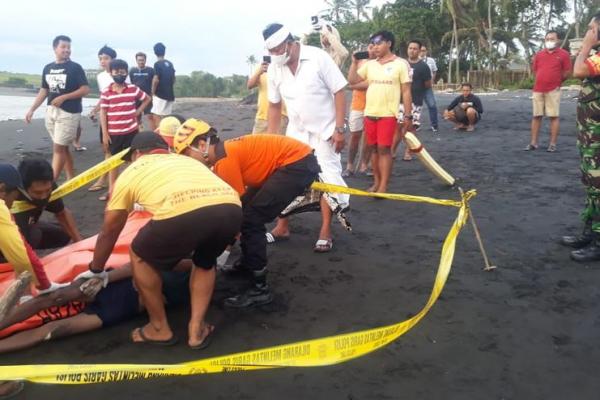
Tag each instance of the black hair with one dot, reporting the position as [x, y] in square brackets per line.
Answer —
[418, 42]
[35, 169]
[159, 49]
[272, 28]
[468, 84]
[552, 31]
[59, 38]
[385, 35]
[179, 117]
[140, 54]
[109, 51]
[117, 63]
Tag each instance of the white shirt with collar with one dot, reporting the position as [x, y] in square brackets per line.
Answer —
[309, 94]
[431, 64]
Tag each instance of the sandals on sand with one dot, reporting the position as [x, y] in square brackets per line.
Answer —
[207, 339]
[530, 147]
[145, 340]
[323, 246]
[551, 148]
[274, 239]
[96, 187]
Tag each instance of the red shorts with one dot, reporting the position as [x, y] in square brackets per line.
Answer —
[380, 131]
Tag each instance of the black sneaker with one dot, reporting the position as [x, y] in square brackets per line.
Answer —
[255, 296]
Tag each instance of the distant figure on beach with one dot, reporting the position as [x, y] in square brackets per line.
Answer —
[587, 67]
[142, 76]
[421, 81]
[39, 184]
[163, 83]
[389, 79]
[64, 84]
[465, 110]
[121, 105]
[551, 67]
[104, 78]
[429, 95]
[316, 104]
[259, 79]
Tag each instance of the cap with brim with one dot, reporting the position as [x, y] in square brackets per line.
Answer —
[146, 140]
[10, 176]
[277, 37]
[167, 128]
[188, 131]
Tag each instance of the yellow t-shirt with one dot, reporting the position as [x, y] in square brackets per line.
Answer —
[263, 100]
[168, 185]
[383, 94]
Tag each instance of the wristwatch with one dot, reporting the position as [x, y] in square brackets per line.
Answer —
[340, 129]
[93, 270]
[408, 117]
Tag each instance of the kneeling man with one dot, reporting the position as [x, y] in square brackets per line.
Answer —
[269, 172]
[465, 110]
[193, 212]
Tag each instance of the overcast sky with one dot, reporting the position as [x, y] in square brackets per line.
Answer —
[214, 36]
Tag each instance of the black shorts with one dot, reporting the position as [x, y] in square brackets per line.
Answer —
[116, 303]
[205, 232]
[120, 142]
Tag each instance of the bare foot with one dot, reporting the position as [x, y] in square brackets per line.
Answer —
[151, 333]
[198, 332]
[373, 188]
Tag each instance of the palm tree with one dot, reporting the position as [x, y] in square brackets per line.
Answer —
[360, 8]
[251, 61]
[339, 10]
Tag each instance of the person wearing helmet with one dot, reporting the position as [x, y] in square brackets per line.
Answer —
[193, 212]
[268, 172]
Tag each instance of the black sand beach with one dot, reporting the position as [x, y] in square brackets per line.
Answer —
[528, 330]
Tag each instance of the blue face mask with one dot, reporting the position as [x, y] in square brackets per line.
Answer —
[119, 79]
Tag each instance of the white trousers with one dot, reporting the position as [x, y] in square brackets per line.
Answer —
[329, 161]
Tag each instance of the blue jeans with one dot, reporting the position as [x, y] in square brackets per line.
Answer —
[429, 99]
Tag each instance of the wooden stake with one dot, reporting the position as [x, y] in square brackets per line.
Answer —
[488, 265]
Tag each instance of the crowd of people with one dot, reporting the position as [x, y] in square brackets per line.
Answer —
[205, 194]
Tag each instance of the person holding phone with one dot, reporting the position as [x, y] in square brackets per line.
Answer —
[465, 110]
[259, 80]
[587, 67]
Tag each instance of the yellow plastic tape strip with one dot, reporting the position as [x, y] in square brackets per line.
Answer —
[75, 183]
[311, 353]
[326, 187]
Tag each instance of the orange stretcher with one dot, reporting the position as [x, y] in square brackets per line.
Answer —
[65, 264]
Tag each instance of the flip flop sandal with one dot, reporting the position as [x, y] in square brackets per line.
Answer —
[104, 197]
[18, 389]
[323, 246]
[274, 239]
[81, 148]
[96, 188]
[207, 339]
[145, 340]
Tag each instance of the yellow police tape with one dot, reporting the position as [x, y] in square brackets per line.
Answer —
[311, 353]
[75, 183]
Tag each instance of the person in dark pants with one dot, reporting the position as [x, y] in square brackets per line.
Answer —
[465, 110]
[269, 172]
[141, 76]
[39, 184]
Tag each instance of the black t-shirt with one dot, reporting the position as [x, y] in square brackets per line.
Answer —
[142, 78]
[64, 78]
[28, 218]
[469, 99]
[166, 79]
[421, 74]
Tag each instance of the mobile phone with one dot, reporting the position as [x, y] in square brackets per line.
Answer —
[314, 20]
[267, 59]
[361, 55]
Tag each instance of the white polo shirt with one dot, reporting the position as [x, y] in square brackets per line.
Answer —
[308, 95]
[431, 64]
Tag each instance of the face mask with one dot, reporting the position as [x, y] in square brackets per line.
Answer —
[119, 79]
[281, 59]
[39, 202]
[550, 44]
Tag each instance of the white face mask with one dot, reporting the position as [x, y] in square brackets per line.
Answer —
[550, 44]
[281, 59]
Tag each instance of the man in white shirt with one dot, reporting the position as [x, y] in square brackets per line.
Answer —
[429, 98]
[312, 86]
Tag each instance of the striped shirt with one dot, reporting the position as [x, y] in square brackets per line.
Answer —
[121, 108]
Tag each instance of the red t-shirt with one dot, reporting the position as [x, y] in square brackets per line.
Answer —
[120, 108]
[548, 68]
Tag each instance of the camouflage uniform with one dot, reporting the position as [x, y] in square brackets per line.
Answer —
[588, 143]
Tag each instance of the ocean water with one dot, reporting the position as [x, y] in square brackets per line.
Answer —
[15, 107]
